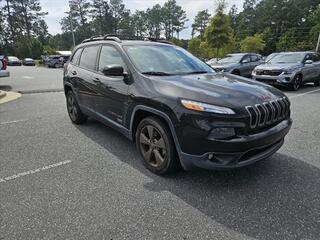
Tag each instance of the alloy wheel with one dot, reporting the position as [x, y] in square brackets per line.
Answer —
[72, 107]
[152, 146]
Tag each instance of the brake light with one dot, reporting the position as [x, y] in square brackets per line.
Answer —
[4, 64]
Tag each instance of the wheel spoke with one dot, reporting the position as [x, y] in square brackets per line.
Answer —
[150, 132]
[147, 154]
[144, 140]
[160, 144]
[159, 158]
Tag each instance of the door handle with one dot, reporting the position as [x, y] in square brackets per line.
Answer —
[96, 80]
[74, 73]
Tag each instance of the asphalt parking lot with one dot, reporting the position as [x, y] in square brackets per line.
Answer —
[61, 181]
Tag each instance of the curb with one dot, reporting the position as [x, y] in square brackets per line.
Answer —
[2, 94]
[8, 96]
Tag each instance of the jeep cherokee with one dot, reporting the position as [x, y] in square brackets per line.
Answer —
[176, 109]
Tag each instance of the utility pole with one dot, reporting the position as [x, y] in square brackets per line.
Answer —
[318, 44]
[71, 25]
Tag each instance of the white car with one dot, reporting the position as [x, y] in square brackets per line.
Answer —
[3, 67]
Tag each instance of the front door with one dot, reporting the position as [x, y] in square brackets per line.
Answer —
[111, 100]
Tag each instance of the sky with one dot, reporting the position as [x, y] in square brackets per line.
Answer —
[57, 8]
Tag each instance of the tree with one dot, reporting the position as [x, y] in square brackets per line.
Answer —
[174, 18]
[219, 33]
[80, 10]
[252, 44]
[139, 23]
[154, 20]
[101, 17]
[200, 22]
[120, 16]
[26, 18]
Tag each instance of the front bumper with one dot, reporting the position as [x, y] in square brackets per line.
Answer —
[4, 73]
[241, 151]
[282, 79]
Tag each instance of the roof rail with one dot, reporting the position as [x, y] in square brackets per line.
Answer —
[120, 38]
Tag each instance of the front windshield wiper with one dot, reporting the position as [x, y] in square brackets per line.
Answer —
[157, 73]
[196, 72]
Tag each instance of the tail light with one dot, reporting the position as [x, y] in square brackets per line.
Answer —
[4, 64]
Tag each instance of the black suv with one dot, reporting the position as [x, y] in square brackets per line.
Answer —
[176, 108]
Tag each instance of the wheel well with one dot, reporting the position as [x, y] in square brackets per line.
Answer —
[67, 89]
[236, 71]
[300, 74]
[142, 114]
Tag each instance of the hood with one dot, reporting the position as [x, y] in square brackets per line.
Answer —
[224, 65]
[222, 89]
[278, 66]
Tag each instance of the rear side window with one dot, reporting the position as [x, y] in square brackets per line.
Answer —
[88, 57]
[110, 56]
[316, 57]
[76, 56]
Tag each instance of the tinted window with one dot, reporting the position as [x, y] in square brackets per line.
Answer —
[316, 57]
[76, 56]
[246, 59]
[254, 58]
[110, 56]
[88, 57]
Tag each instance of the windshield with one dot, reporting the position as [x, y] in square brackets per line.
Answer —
[13, 58]
[165, 60]
[287, 58]
[231, 59]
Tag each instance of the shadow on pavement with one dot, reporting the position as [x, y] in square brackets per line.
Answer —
[275, 199]
[5, 88]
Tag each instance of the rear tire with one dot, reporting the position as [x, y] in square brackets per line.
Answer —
[155, 144]
[317, 83]
[296, 83]
[75, 114]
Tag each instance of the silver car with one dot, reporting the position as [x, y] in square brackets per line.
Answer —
[239, 63]
[291, 69]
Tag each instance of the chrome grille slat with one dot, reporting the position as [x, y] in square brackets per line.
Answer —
[268, 113]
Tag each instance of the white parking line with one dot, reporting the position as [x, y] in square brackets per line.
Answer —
[23, 174]
[16, 121]
[303, 94]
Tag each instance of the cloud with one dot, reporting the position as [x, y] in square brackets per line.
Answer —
[57, 8]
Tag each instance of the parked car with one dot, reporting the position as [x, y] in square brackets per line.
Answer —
[212, 61]
[173, 106]
[3, 67]
[239, 64]
[14, 61]
[53, 61]
[291, 69]
[57, 61]
[28, 62]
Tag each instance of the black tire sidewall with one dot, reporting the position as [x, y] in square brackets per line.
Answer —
[293, 83]
[80, 118]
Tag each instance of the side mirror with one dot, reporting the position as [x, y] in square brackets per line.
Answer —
[113, 70]
[245, 61]
[308, 61]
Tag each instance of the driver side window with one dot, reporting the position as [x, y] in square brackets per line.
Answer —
[110, 56]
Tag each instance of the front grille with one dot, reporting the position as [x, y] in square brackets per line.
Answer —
[268, 113]
[269, 72]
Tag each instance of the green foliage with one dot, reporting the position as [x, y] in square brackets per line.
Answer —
[200, 23]
[24, 45]
[49, 50]
[219, 32]
[252, 44]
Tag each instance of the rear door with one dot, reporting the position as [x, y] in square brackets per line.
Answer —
[83, 73]
[316, 63]
[111, 100]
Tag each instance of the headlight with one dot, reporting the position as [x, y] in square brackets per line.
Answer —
[288, 72]
[203, 107]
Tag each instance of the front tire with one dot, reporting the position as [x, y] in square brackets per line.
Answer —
[296, 83]
[156, 146]
[75, 114]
